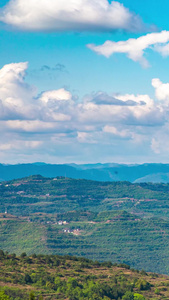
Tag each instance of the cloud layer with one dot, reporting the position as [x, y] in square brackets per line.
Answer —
[135, 48]
[72, 15]
[56, 124]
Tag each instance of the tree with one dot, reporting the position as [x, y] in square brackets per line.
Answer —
[128, 296]
[142, 284]
[3, 296]
[138, 297]
[28, 279]
[2, 254]
[23, 254]
[31, 296]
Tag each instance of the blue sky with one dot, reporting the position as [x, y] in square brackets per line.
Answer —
[84, 81]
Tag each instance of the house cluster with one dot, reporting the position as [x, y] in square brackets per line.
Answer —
[62, 222]
[66, 230]
[20, 192]
[73, 231]
[50, 222]
[57, 223]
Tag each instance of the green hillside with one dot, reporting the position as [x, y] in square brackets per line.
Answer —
[38, 194]
[52, 277]
[116, 236]
[117, 221]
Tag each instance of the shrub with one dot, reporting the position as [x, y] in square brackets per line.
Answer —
[23, 254]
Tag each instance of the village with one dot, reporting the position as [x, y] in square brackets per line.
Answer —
[66, 230]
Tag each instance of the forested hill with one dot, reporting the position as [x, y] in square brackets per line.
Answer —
[50, 277]
[99, 172]
[60, 194]
[117, 221]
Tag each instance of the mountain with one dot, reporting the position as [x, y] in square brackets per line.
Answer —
[117, 221]
[60, 195]
[157, 177]
[99, 172]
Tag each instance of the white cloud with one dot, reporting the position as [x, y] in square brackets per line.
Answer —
[55, 95]
[54, 122]
[161, 89]
[19, 144]
[16, 97]
[32, 126]
[120, 133]
[134, 48]
[19, 101]
[163, 50]
[143, 111]
[56, 110]
[63, 15]
[139, 99]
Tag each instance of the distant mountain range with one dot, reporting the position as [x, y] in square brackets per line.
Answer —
[100, 172]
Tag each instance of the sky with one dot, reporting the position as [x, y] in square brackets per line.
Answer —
[84, 81]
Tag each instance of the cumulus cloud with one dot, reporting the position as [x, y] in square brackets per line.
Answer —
[22, 108]
[16, 97]
[127, 110]
[55, 95]
[135, 48]
[19, 101]
[72, 15]
[161, 89]
[56, 119]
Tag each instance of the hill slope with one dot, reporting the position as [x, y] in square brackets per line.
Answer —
[143, 244]
[117, 221]
[57, 195]
[63, 277]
